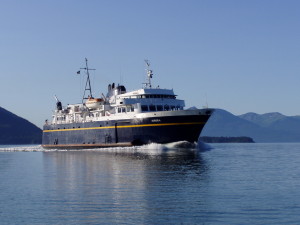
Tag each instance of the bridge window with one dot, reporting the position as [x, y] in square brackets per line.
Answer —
[152, 108]
[179, 107]
[144, 108]
[159, 108]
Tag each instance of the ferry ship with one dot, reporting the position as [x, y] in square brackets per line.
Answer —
[121, 118]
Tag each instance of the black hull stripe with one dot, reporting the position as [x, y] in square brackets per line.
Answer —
[127, 126]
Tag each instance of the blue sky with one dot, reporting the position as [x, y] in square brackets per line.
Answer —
[241, 56]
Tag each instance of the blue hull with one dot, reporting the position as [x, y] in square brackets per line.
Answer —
[124, 132]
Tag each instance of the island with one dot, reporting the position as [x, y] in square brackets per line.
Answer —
[207, 139]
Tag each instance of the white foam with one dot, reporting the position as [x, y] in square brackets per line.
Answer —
[151, 149]
[21, 148]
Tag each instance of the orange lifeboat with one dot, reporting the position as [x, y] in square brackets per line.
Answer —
[93, 103]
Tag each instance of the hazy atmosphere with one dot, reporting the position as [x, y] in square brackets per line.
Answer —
[241, 56]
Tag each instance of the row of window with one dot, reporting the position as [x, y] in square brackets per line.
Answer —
[153, 108]
[150, 108]
[154, 96]
[145, 108]
[63, 118]
[125, 109]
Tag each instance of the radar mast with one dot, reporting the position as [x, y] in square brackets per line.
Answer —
[88, 87]
[149, 75]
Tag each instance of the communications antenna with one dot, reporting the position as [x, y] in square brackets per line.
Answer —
[149, 74]
[88, 87]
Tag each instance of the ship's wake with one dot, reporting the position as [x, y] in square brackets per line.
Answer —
[152, 148]
[158, 149]
[21, 148]
[175, 147]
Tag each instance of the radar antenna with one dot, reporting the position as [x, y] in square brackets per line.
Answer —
[88, 82]
[149, 74]
[58, 103]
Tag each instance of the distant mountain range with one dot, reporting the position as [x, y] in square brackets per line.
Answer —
[16, 130]
[269, 127]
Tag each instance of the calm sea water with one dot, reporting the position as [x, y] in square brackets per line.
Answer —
[155, 184]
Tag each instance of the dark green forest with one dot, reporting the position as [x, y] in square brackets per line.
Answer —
[226, 139]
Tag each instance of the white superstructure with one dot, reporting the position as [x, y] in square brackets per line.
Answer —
[118, 103]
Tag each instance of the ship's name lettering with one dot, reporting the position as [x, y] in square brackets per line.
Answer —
[155, 120]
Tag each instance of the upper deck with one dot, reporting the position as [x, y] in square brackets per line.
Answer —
[119, 103]
[148, 91]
